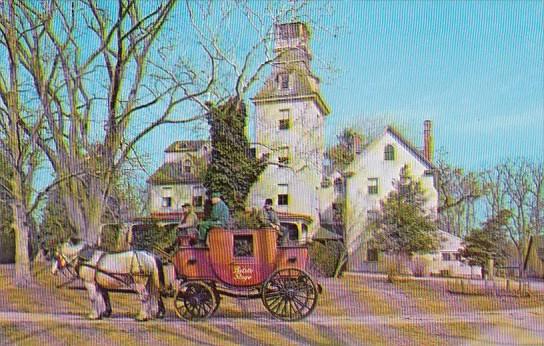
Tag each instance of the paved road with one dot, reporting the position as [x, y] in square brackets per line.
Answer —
[472, 317]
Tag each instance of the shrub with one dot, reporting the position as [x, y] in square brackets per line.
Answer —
[146, 237]
[247, 220]
[325, 256]
[419, 267]
[109, 238]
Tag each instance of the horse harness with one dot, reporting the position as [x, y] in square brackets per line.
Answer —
[86, 255]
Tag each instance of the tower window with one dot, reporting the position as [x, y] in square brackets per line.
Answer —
[283, 156]
[283, 197]
[373, 186]
[284, 119]
[283, 81]
[389, 153]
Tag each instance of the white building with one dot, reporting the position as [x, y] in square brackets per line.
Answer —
[367, 181]
[178, 180]
[290, 115]
[289, 130]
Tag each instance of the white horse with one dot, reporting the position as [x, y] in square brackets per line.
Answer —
[100, 271]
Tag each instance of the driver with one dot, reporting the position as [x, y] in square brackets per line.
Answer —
[269, 217]
[219, 218]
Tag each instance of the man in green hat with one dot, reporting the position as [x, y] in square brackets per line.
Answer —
[218, 218]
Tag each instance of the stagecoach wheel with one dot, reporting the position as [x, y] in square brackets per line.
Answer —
[289, 294]
[195, 301]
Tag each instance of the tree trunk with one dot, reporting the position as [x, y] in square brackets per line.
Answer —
[23, 275]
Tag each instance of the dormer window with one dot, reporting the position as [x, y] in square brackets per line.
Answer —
[187, 166]
[389, 153]
[283, 81]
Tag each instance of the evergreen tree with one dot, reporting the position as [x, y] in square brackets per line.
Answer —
[232, 170]
[488, 242]
[404, 226]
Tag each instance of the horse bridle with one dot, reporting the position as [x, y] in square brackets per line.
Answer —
[63, 263]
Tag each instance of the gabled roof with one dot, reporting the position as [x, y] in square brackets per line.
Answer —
[417, 153]
[187, 145]
[302, 85]
[172, 173]
[399, 138]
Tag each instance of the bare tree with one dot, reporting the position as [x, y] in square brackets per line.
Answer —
[17, 148]
[516, 185]
[102, 97]
[106, 74]
[458, 193]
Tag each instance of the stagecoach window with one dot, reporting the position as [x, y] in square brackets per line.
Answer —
[243, 246]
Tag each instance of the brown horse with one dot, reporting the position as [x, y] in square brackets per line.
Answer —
[100, 271]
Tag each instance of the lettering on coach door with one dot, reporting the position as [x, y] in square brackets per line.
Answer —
[242, 273]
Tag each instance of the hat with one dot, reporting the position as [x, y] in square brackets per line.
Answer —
[216, 194]
[186, 205]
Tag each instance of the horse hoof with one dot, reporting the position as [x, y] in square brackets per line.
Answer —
[93, 317]
[141, 319]
[106, 314]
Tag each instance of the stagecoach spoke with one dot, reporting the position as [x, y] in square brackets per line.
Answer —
[199, 301]
[295, 296]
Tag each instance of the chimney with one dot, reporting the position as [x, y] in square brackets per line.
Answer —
[428, 146]
[357, 145]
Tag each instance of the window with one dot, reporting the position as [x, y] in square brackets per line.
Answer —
[373, 186]
[243, 246]
[446, 256]
[372, 255]
[283, 196]
[291, 229]
[166, 202]
[198, 201]
[283, 81]
[338, 185]
[187, 166]
[284, 123]
[389, 153]
[283, 156]
[372, 216]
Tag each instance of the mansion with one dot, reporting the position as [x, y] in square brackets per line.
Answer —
[290, 117]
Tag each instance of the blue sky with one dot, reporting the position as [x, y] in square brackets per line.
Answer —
[476, 69]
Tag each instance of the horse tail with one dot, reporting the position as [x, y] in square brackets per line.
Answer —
[159, 276]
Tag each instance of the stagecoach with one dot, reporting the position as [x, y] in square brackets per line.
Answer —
[244, 263]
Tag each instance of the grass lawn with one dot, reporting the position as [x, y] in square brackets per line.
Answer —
[368, 311]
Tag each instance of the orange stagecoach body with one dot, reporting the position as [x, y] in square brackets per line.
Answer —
[240, 258]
